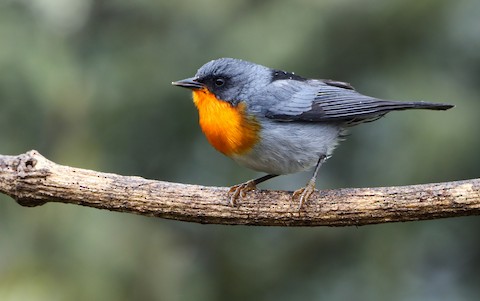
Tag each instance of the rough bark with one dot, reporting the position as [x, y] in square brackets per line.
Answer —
[32, 180]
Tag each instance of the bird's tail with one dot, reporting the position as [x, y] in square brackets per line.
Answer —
[379, 107]
[400, 105]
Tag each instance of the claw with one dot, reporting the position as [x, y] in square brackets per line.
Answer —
[240, 191]
[304, 193]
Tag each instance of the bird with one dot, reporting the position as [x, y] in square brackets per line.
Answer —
[278, 122]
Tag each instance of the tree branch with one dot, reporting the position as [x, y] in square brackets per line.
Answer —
[32, 180]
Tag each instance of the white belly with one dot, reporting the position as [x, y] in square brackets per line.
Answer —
[288, 147]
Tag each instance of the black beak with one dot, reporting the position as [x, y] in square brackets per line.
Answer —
[190, 83]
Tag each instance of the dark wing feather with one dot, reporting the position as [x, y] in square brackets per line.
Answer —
[337, 83]
[338, 102]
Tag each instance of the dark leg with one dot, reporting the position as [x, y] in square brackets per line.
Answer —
[264, 178]
[241, 189]
[305, 192]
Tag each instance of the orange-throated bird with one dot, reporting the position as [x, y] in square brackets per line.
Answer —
[278, 122]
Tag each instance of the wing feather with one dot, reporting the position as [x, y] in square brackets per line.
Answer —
[318, 101]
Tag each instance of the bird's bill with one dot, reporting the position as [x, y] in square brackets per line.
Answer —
[189, 83]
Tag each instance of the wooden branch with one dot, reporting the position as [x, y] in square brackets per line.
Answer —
[32, 180]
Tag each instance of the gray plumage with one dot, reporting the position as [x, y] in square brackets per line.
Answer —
[301, 119]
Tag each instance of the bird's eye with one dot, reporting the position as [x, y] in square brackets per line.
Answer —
[219, 82]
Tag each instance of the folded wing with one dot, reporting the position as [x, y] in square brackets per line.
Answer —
[338, 102]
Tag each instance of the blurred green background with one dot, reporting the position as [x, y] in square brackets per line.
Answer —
[87, 83]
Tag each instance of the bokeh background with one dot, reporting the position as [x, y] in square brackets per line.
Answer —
[87, 83]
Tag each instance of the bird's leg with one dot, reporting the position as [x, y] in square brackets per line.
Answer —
[239, 191]
[305, 192]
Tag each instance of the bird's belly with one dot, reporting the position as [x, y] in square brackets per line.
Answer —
[287, 147]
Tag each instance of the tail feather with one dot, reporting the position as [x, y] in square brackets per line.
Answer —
[398, 105]
[382, 107]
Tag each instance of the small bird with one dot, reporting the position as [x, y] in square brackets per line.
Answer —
[277, 122]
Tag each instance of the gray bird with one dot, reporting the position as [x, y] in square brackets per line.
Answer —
[278, 122]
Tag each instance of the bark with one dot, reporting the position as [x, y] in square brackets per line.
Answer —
[33, 180]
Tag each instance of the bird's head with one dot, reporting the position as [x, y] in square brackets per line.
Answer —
[230, 80]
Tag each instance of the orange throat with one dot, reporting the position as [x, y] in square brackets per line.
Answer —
[226, 127]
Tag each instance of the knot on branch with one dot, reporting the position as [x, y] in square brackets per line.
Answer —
[22, 171]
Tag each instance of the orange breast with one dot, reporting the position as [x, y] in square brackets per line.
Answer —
[227, 127]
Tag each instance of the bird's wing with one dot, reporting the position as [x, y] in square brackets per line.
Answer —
[326, 100]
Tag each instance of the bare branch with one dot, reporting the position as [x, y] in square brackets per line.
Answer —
[32, 180]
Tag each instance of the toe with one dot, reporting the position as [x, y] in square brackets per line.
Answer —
[240, 191]
[303, 194]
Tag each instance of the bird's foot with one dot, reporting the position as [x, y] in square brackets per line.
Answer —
[240, 191]
[304, 193]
